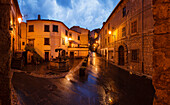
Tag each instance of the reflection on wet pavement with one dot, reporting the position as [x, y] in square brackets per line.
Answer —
[103, 84]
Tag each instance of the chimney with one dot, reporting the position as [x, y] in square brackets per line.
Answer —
[104, 23]
[39, 17]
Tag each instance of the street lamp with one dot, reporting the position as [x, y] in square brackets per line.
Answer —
[69, 38]
[110, 32]
[19, 20]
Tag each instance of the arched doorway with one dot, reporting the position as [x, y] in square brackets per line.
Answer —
[121, 55]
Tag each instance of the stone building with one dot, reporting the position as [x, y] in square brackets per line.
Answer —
[127, 36]
[94, 39]
[161, 53]
[48, 35]
[74, 49]
[83, 36]
[9, 42]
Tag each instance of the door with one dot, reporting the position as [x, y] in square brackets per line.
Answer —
[46, 56]
[121, 55]
[71, 54]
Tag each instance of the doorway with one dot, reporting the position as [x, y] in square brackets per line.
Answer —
[71, 54]
[46, 56]
[121, 55]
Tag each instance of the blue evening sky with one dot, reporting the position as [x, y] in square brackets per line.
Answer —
[85, 13]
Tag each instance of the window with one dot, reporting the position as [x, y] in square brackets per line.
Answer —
[108, 39]
[123, 31]
[105, 31]
[78, 37]
[70, 35]
[105, 41]
[46, 41]
[66, 32]
[23, 43]
[134, 27]
[55, 28]
[109, 26]
[46, 28]
[124, 11]
[63, 41]
[135, 55]
[31, 28]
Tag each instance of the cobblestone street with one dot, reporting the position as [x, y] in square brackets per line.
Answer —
[102, 84]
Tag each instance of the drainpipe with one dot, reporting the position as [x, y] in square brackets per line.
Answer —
[26, 34]
[142, 39]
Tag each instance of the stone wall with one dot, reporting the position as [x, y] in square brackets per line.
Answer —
[4, 53]
[161, 54]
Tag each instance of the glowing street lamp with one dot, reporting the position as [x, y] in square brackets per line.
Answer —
[110, 32]
[69, 38]
[19, 20]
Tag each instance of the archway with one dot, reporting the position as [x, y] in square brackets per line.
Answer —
[121, 55]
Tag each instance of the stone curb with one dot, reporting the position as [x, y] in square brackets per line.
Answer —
[131, 72]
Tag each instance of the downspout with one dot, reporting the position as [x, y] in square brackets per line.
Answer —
[26, 34]
[142, 39]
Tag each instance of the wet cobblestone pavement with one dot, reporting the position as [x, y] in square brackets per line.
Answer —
[103, 84]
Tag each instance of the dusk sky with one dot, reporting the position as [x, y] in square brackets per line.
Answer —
[85, 13]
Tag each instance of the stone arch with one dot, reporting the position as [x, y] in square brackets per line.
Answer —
[121, 59]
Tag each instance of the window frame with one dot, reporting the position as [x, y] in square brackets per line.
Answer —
[135, 55]
[54, 28]
[48, 43]
[132, 27]
[78, 37]
[23, 43]
[124, 11]
[66, 32]
[63, 41]
[70, 35]
[45, 28]
[31, 30]
[124, 31]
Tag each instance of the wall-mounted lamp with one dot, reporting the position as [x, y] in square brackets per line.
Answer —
[110, 32]
[19, 20]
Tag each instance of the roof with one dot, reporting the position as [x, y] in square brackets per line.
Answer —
[78, 27]
[74, 31]
[112, 12]
[49, 20]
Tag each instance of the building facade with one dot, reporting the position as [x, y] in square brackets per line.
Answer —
[127, 36]
[48, 36]
[9, 38]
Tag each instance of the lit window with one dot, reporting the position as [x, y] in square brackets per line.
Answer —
[63, 41]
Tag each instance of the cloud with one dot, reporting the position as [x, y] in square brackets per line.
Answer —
[85, 13]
